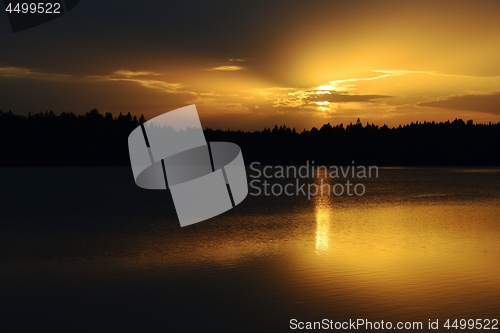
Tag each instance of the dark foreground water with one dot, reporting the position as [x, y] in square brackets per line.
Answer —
[85, 250]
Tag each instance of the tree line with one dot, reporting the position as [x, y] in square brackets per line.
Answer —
[45, 139]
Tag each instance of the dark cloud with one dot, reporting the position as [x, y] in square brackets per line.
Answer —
[98, 34]
[25, 95]
[101, 36]
[478, 103]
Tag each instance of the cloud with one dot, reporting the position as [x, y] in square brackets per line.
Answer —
[219, 104]
[127, 74]
[227, 68]
[26, 73]
[143, 79]
[344, 85]
[340, 97]
[318, 99]
[478, 103]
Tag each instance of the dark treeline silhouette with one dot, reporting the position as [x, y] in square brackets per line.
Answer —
[67, 139]
[95, 139]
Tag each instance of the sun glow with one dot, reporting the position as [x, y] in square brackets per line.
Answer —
[325, 87]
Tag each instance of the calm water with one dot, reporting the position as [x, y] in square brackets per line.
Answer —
[84, 249]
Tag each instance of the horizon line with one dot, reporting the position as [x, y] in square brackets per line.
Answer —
[469, 122]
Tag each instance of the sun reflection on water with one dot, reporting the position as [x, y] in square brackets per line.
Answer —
[322, 230]
[323, 214]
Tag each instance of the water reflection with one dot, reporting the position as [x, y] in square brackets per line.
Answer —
[322, 230]
[406, 250]
[323, 211]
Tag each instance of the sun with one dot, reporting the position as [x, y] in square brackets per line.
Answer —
[325, 87]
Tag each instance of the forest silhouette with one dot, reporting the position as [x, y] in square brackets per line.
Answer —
[95, 139]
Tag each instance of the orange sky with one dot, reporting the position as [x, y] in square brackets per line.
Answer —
[300, 64]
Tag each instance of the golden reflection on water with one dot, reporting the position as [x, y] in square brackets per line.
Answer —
[322, 230]
[323, 211]
[424, 253]
[433, 255]
[428, 253]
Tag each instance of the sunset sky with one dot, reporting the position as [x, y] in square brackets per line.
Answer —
[250, 64]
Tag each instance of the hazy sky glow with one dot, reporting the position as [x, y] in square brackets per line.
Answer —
[247, 65]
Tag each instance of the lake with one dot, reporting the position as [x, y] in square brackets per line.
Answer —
[86, 250]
